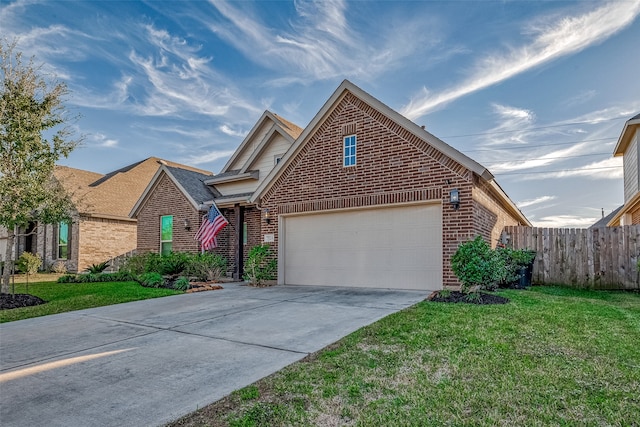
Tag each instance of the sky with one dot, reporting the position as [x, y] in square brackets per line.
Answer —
[537, 92]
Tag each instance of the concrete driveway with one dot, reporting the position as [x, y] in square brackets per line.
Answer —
[148, 362]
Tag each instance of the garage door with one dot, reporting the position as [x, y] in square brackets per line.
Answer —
[391, 247]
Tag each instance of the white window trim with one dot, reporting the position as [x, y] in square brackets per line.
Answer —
[354, 157]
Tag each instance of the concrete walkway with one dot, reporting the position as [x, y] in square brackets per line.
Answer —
[148, 362]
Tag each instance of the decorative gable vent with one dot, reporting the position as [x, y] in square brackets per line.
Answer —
[350, 128]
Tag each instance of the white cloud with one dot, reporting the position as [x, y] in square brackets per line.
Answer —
[610, 168]
[514, 124]
[547, 159]
[551, 41]
[564, 221]
[232, 132]
[101, 140]
[536, 201]
[320, 43]
[580, 98]
[206, 157]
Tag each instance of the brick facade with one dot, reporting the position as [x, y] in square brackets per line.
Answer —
[104, 239]
[393, 166]
[46, 244]
[228, 237]
[167, 199]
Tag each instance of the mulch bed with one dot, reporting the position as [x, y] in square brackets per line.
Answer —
[8, 301]
[459, 297]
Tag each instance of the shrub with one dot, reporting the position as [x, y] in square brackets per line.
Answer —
[120, 276]
[135, 264]
[97, 268]
[173, 263]
[509, 273]
[514, 260]
[260, 265]
[206, 266]
[29, 263]
[151, 280]
[181, 284]
[477, 266]
[59, 267]
[67, 278]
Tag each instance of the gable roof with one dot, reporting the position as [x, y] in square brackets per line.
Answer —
[604, 221]
[114, 194]
[190, 182]
[625, 136]
[348, 87]
[280, 125]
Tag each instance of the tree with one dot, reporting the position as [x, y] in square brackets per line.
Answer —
[30, 108]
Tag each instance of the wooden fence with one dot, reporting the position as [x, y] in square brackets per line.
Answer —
[598, 258]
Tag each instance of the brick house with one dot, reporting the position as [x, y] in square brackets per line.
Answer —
[176, 198]
[101, 228]
[366, 198]
[170, 209]
[628, 147]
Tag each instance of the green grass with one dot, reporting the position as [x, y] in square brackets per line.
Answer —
[63, 297]
[551, 357]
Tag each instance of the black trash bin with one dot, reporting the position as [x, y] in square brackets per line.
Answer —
[526, 275]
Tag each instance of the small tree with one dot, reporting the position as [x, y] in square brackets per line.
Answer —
[29, 264]
[29, 107]
[260, 265]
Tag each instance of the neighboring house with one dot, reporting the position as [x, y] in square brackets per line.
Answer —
[628, 147]
[602, 222]
[367, 198]
[170, 210]
[170, 197]
[101, 228]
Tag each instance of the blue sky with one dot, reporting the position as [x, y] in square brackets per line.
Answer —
[537, 92]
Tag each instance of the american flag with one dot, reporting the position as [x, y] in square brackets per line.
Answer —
[212, 223]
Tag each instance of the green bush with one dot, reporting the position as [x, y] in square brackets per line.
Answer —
[121, 276]
[151, 280]
[514, 261]
[97, 268]
[181, 284]
[136, 264]
[206, 266]
[509, 273]
[477, 266]
[29, 263]
[173, 263]
[260, 265]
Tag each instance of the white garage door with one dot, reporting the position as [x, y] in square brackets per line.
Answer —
[391, 247]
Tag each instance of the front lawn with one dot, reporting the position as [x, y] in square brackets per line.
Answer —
[64, 297]
[552, 356]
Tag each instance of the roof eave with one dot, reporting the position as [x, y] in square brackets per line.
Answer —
[509, 203]
[625, 136]
[233, 178]
[631, 204]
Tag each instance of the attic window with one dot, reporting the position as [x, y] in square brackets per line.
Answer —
[349, 151]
